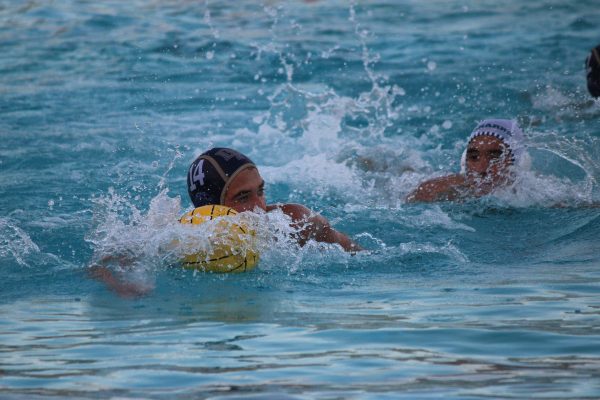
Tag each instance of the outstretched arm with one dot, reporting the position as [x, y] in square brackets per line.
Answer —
[445, 188]
[314, 226]
[114, 281]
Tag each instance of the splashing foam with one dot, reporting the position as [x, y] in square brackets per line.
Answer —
[531, 189]
[315, 172]
[449, 250]
[313, 128]
[436, 217]
[564, 175]
[124, 231]
[15, 243]
[139, 244]
[317, 149]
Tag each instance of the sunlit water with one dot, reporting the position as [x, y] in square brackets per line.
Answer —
[345, 107]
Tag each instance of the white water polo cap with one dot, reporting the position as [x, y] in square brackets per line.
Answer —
[509, 132]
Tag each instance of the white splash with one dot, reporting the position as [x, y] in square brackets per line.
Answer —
[137, 244]
[15, 243]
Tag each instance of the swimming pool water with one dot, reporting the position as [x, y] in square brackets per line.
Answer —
[345, 107]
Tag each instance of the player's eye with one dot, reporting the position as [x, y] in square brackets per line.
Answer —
[472, 154]
[242, 198]
[495, 154]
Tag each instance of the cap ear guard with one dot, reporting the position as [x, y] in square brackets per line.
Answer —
[463, 162]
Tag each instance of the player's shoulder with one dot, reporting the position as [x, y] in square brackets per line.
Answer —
[294, 210]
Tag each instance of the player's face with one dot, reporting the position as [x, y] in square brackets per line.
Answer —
[246, 191]
[488, 157]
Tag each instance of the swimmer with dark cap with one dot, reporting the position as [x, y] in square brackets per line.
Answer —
[227, 177]
[592, 68]
[494, 149]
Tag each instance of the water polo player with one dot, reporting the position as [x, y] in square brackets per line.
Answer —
[592, 67]
[494, 148]
[227, 177]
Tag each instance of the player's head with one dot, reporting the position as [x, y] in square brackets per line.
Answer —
[227, 177]
[494, 146]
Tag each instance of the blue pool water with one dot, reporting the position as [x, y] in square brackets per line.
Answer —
[345, 107]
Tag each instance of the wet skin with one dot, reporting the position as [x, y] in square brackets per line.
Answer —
[246, 192]
[488, 158]
[487, 168]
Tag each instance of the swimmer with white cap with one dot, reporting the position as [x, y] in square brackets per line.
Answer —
[227, 177]
[494, 149]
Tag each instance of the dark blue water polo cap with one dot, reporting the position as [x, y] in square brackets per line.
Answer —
[210, 174]
[592, 68]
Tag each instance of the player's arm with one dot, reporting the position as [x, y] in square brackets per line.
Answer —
[314, 226]
[113, 280]
[445, 188]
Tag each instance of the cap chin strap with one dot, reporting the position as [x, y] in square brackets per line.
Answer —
[230, 179]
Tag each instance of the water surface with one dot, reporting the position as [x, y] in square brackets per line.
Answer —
[345, 107]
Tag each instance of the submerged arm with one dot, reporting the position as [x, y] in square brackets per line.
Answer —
[113, 280]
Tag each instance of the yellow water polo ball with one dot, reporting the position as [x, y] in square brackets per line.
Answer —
[232, 243]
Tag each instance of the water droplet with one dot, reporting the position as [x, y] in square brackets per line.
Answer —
[399, 91]
[431, 65]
